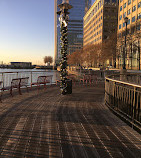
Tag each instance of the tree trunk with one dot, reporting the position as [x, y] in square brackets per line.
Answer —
[131, 56]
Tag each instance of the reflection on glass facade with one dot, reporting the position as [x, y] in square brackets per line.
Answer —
[75, 26]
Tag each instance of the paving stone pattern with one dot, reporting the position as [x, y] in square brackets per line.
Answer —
[46, 124]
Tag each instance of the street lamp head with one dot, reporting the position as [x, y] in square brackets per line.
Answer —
[126, 19]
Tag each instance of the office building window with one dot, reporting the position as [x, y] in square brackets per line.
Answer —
[121, 0]
[120, 26]
[129, 11]
[124, 24]
[121, 8]
[124, 15]
[138, 27]
[139, 16]
[124, 5]
[129, 2]
[128, 22]
[120, 17]
[133, 19]
[101, 17]
[133, 8]
[139, 4]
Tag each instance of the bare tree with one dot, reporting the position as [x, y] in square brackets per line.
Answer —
[75, 58]
[48, 59]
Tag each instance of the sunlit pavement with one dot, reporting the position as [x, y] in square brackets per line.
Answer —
[47, 124]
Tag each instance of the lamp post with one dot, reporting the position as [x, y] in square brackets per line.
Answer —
[65, 85]
[124, 63]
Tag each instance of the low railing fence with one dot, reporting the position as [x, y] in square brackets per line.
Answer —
[6, 77]
[134, 78]
[124, 97]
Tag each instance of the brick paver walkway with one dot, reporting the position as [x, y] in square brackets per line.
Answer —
[46, 124]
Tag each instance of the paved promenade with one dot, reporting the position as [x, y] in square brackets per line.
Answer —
[47, 124]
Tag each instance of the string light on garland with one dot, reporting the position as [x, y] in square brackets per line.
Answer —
[63, 18]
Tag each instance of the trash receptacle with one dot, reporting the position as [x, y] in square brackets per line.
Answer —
[69, 86]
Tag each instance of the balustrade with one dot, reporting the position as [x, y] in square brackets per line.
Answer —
[124, 96]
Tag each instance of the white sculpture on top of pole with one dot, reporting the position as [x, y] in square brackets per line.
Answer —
[65, 1]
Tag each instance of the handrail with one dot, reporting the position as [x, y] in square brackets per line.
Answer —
[6, 77]
[133, 79]
[21, 71]
[124, 74]
[124, 97]
[130, 84]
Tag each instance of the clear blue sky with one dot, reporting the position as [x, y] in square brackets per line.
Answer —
[26, 30]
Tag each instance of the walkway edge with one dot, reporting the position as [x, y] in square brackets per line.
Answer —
[125, 119]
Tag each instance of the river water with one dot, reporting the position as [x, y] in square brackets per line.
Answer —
[6, 75]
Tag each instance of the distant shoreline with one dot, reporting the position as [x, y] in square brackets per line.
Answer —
[33, 67]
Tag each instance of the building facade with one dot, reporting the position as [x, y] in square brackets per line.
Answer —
[130, 9]
[100, 21]
[75, 27]
[21, 64]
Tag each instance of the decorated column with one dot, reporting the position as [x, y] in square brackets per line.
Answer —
[64, 7]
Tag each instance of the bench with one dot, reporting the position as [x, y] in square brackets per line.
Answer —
[17, 83]
[85, 79]
[91, 79]
[42, 80]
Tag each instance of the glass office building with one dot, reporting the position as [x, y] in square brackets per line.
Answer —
[75, 27]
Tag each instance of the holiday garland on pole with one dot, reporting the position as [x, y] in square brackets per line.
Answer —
[64, 43]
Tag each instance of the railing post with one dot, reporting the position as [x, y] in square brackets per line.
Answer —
[114, 94]
[134, 101]
[31, 79]
[3, 79]
[105, 91]
[139, 108]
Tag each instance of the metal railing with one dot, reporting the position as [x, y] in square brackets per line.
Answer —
[124, 97]
[6, 77]
[134, 78]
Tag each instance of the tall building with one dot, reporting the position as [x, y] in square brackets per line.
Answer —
[100, 21]
[75, 26]
[130, 9]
